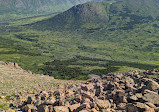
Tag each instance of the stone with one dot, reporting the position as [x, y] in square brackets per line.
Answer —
[156, 109]
[29, 108]
[138, 95]
[94, 110]
[84, 111]
[131, 108]
[78, 98]
[83, 106]
[98, 91]
[123, 99]
[141, 106]
[29, 100]
[151, 96]
[74, 107]
[45, 94]
[10, 110]
[132, 98]
[131, 89]
[61, 109]
[43, 108]
[50, 101]
[129, 82]
[86, 95]
[84, 88]
[153, 86]
[150, 110]
[150, 104]
[70, 92]
[102, 104]
[109, 86]
[121, 106]
[121, 93]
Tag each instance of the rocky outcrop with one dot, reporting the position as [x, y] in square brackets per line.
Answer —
[128, 92]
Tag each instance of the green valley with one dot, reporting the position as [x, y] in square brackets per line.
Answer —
[91, 38]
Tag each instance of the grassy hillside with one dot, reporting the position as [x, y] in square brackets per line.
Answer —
[69, 46]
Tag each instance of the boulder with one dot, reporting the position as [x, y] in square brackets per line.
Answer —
[9, 110]
[74, 107]
[43, 108]
[151, 96]
[84, 111]
[29, 108]
[50, 101]
[132, 98]
[61, 109]
[89, 96]
[153, 86]
[138, 95]
[123, 99]
[45, 94]
[80, 108]
[121, 106]
[102, 104]
[150, 104]
[156, 109]
[141, 106]
[29, 100]
[129, 82]
[84, 88]
[131, 108]
[94, 110]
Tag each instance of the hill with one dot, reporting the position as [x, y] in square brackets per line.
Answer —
[122, 14]
[16, 9]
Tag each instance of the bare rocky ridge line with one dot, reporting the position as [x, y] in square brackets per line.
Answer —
[132, 91]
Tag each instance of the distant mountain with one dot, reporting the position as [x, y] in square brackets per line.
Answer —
[92, 12]
[14, 9]
[36, 6]
[122, 14]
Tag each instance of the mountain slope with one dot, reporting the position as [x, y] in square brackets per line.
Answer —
[145, 8]
[15, 9]
[123, 14]
[92, 12]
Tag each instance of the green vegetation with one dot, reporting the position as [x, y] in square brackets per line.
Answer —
[11, 97]
[3, 106]
[70, 46]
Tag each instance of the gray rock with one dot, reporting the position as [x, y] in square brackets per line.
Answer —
[151, 96]
[153, 86]
[102, 104]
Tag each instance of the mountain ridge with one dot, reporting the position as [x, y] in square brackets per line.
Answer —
[102, 13]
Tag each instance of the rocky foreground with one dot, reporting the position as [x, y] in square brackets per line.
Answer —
[128, 92]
